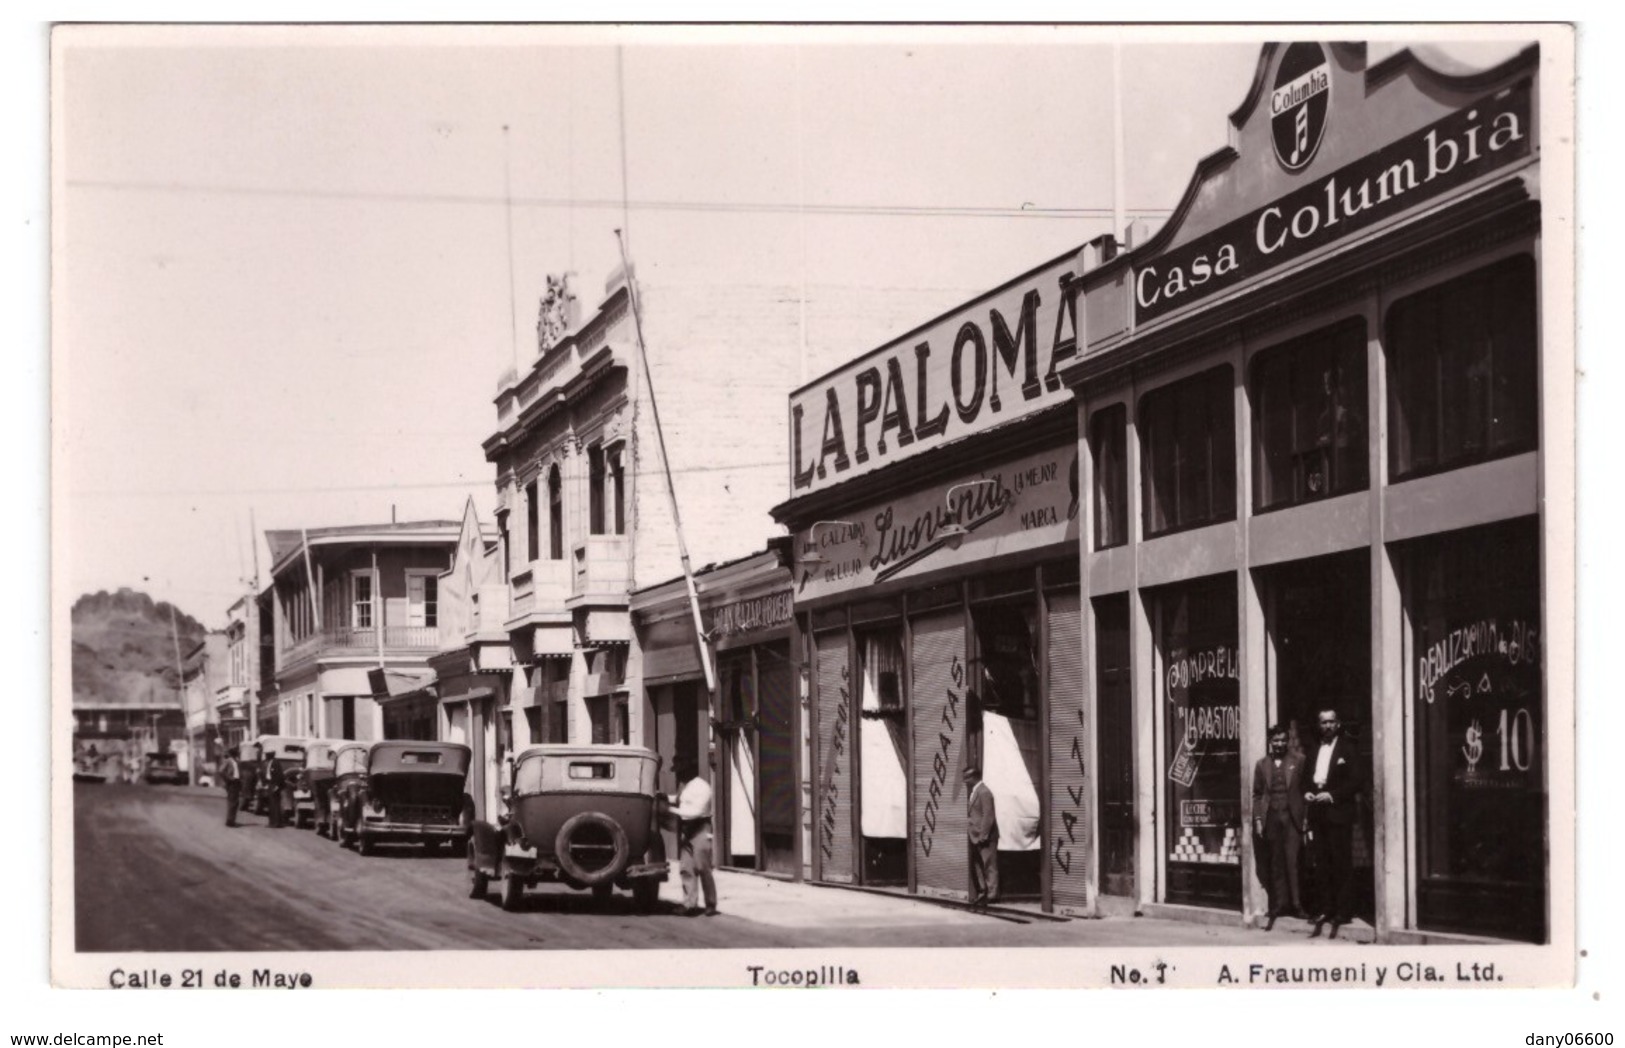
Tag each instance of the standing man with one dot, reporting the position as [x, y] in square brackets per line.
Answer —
[1278, 816]
[272, 785]
[1334, 781]
[692, 806]
[232, 776]
[984, 841]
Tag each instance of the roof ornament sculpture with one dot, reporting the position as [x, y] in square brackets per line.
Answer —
[557, 314]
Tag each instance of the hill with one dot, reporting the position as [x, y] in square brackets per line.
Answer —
[123, 648]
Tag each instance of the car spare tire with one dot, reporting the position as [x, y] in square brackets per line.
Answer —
[592, 848]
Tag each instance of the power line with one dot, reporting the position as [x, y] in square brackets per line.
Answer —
[1025, 210]
[346, 489]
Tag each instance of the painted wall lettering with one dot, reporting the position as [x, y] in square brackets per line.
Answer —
[831, 790]
[1072, 809]
[940, 770]
[995, 359]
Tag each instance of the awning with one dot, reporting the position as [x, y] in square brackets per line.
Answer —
[606, 624]
[468, 696]
[398, 684]
[662, 664]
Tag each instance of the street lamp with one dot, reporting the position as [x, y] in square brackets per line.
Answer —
[955, 530]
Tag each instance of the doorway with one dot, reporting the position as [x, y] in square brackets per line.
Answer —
[1114, 718]
[1318, 621]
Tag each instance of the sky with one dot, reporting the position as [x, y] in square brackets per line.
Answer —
[290, 263]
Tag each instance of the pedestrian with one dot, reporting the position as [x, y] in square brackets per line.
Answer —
[692, 806]
[272, 785]
[1278, 821]
[231, 775]
[983, 829]
[1334, 781]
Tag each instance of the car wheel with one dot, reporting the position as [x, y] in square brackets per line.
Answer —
[513, 889]
[479, 883]
[363, 844]
[591, 848]
[645, 894]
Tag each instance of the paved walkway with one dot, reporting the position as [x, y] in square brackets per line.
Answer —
[786, 904]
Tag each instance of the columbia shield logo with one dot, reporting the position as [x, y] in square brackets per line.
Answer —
[1298, 104]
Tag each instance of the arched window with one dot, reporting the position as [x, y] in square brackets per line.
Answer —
[555, 514]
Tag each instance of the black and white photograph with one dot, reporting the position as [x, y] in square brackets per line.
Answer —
[813, 506]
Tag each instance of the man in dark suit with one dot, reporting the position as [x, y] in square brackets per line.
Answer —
[983, 831]
[1333, 780]
[1278, 818]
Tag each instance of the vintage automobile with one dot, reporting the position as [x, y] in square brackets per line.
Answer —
[586, 816]
[310, 780]
[289, 752]
[162, 767]
[349, 776]
[411, 791]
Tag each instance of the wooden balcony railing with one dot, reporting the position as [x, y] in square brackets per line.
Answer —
[356, 640]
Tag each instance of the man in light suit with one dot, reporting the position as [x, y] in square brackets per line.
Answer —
[1332, 780]
[983, 831]
[1278, 819]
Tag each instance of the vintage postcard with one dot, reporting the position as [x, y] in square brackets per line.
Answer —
[798, 506]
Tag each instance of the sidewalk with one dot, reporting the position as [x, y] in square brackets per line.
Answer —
[876, 918]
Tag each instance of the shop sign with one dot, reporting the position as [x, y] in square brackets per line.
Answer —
[1489, 134]
[749, 616]
[1028, 504]
[996, 360]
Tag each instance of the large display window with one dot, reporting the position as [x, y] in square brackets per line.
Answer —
[1199, 710]
[1463, 370]
[1480, 731]
[1188, 452]
[1309, 404]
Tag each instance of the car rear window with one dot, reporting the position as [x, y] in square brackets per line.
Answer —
[592, 770]
[420, 757]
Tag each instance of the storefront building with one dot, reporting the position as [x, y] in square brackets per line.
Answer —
[749, 740]
[935, 515]
[1310, 430]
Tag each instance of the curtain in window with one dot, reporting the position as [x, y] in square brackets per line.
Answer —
[885, 785]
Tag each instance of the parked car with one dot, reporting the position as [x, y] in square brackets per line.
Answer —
[310, 780]
[162, 767]
[411, 792]
[586, 816]
[289, 752]
[349, 776]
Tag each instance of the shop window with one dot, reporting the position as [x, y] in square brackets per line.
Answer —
[1199, 704]
[533, 541]
[1309, 432]
[555, 514]
[882, 760]
[1009, 659]
[1108, 446]
[1474, 599]
[1463, 371]
[1189, 452]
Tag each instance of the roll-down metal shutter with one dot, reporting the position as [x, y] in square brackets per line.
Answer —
[941, 853]
[1069, 746]
[834, 758]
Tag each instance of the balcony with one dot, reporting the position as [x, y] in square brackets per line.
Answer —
[540, 589]
[599, 571]
[358, 640]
